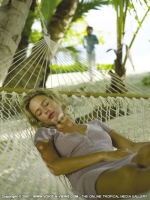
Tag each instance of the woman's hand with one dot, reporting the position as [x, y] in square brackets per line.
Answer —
[117, 154]
[58, 165]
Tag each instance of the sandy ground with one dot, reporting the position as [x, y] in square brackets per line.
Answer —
[135, 79]
[78, 81]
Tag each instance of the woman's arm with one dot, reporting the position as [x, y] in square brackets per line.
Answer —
[121, 142]
[60, 166]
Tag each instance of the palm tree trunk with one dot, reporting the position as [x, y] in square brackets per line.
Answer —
[58, 25]
[61, 19]
[23, 44]
[117, 82]
[119, 70]
[56, 28]
[13, 15]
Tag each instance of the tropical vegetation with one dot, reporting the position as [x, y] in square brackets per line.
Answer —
[146, 79]
[59, 18]
[123, 8]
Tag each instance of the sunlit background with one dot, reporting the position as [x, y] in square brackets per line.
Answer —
[103, 22]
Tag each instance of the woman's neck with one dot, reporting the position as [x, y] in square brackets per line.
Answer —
[64, 123]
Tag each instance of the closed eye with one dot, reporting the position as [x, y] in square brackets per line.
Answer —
[45, 103]
[38, 113]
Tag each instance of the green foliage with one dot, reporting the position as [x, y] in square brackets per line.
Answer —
[57, 69]
[85, 6]
[122, 8]
[76, 31]
[74, 35]
[48, 8]
[105, 66]
[146, 79]
[73, 49]
[29, 23]
[100, 37]
[35, 36]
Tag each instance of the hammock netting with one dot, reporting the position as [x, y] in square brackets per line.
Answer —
[22, 170]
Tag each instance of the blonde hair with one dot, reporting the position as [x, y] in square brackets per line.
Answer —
[51, 93]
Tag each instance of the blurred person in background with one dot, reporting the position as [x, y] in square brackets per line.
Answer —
[89, 42]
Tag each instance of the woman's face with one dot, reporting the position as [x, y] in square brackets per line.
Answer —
[46, 110]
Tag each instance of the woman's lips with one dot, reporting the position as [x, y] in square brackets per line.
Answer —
[51, 115]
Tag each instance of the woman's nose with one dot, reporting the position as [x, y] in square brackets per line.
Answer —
[45, 110]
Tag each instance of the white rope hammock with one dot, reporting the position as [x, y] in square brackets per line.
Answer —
[31, 62]
[22, 170]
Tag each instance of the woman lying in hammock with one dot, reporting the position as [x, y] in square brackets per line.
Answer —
[84, 152]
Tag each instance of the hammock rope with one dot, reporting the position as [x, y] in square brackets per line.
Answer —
[22, 170]
[42, 56]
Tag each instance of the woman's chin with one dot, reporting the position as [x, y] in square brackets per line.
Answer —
[60, 116]
[54, 121]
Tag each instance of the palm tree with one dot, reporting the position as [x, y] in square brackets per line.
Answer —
[10, 35]
[61, 18]
[57, 23]
[122, 7]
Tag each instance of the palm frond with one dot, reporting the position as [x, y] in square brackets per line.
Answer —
[86, 5]
[73, 49]
[48, 8]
